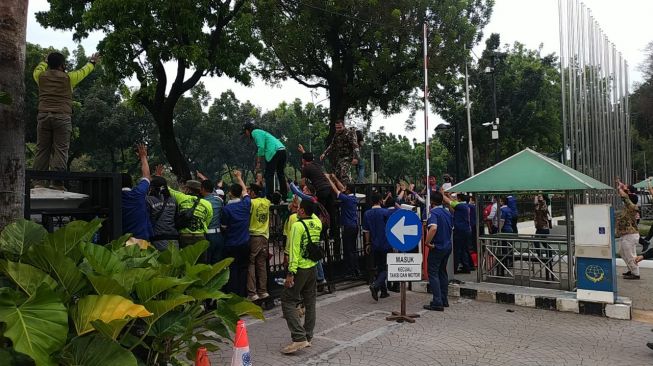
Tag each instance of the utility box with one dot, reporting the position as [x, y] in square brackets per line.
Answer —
[595, 250]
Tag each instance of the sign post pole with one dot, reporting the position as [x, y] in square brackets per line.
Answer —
[404, 233]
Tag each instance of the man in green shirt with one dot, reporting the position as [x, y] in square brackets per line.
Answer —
[259, 232]
[201, 209]
[274, 153]
[55, 109]
[300, 285]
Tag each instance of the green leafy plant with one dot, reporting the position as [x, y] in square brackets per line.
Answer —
[67, 301]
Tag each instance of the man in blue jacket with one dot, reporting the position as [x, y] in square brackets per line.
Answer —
[462, 234]
[511, 201]
[377, 244]
[235, 222]
[438, 239]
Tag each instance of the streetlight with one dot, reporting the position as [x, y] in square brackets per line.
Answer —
[495, 123]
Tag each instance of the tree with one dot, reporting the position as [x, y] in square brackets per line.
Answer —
[641, 106]
[207, 38]
[366, 54]
[13, 17]
[528, 104]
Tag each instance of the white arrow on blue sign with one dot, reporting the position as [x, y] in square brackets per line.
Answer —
[403, 230]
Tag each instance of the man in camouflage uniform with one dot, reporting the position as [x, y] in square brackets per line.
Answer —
[344, 148]
[626, 230]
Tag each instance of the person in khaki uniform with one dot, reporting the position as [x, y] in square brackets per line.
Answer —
[259, 232]
[626, 230]
[55, 110]
[301, 280]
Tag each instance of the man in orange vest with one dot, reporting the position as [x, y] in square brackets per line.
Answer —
[55, 110]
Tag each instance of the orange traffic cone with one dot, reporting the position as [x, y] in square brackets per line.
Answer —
[241, 356]
[202, 357]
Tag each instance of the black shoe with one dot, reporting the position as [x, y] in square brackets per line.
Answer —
[384, 294]
[626, 274]
[433, 308]
[631, 277]
[394, 287]
[446, 304]
[375, 292]
[649, 345]
[464, 271]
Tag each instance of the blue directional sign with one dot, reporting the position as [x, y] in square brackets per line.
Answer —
[403, 230]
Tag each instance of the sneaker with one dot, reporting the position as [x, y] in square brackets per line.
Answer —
[433, 308]
[626, 274]
[375, 292]
[445, 304]
[264, 295]
[294, 347]
[649, 345]
[252, 297]
[310, 342]
[631, 277]
[384, 294]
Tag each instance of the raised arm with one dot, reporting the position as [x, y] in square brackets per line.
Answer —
[333, 185]
[239, 180]
[142, 156]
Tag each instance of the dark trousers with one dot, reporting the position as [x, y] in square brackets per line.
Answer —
[328, 200]
[276, 165]
[381, 264]
[514, 224]
[238, 269]
[189, 239]
[461, 244]
[216, 248]
[304, 291]
[349, 236]
[438, 278]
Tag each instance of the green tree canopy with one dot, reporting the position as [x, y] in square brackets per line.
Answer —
[367, 54]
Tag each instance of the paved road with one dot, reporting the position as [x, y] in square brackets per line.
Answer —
[352, 330]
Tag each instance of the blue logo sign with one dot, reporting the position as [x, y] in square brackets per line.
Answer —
[403, 230]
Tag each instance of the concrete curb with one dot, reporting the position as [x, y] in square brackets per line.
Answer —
[534, 298]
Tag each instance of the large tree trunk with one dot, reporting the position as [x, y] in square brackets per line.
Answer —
[13, 23]
[169, 144]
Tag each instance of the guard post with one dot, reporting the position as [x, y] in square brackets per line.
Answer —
[404, 232]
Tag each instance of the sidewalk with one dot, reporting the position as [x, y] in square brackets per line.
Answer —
[352, 330]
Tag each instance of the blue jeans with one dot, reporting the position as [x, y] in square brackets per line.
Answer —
[320, 272]
[438, 278]
[360, 170]
[216, 246]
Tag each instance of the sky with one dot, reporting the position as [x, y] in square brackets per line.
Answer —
[531, 22]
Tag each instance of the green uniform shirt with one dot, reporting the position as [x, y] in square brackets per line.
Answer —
[298, 241]
[203, 212]
[259, 221]
[286, 231]
[267, 144]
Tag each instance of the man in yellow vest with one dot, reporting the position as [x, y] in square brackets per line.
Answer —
[55, 110]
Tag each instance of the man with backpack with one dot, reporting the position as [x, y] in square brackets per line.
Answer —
[213, 233]
[194, 213]
[300, 284]
[163, 210]
[235, 223]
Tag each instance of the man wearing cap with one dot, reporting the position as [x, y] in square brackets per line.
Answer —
[201, 209]
[314, 174]
[345, 150]
[55, 109]
[274, 152]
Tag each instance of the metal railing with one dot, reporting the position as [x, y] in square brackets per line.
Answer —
[526, 260]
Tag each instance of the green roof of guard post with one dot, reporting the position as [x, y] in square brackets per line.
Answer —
[644, 184]
[528, 171]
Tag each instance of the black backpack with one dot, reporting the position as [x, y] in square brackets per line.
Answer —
[185, 219]
[311, 251]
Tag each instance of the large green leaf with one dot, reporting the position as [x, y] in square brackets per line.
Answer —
[146, 290]
[161, 307]
[105, 285]
[67, 239]
[215, 269]
[201, 294]
[17, 237]
[60, 267]
[38, 327]
[242, 306]
[216, 283]
[95, 349]
[116, 244]
[9, 357]
[101, 259]
[193, 270]
[131, 276]
[27, 277]
[105, 308]
[191, 253]
[172, 324]
[111, 329]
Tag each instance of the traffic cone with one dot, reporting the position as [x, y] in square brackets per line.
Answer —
[202, 357]
[241, 355]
